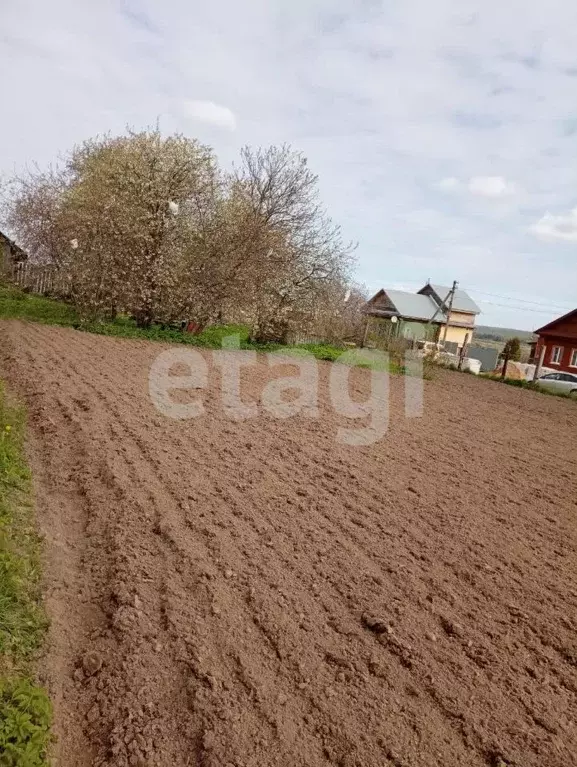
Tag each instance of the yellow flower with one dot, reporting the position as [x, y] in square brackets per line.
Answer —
[8, 428]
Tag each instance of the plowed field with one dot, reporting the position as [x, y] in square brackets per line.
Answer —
[254, 593]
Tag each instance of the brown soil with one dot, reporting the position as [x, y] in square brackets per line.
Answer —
[253, 593]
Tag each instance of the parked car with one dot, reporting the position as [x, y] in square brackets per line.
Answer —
[561, 382]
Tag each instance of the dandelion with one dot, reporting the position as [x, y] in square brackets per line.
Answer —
[8, 428]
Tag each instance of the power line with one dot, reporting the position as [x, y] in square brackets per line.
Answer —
[549, 307]
[566, 308]
[523, 308]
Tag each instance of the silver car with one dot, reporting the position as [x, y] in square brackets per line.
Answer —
[560, 382]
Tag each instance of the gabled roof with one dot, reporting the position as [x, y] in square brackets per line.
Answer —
[551, 325]
[412, 306]
[15, 251]
[462, 302]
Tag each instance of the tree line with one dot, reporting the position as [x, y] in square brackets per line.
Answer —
[152, 226]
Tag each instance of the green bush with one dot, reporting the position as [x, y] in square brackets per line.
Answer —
[323, 351]
[25, 717]
[512, 350]
[214, 334]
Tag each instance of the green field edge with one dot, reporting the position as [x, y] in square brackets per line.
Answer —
[25, 709]
[15, 304]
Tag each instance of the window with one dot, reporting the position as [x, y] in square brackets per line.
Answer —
[573, 360]
[556, 354]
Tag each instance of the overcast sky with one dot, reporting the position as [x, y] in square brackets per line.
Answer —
[444, 132]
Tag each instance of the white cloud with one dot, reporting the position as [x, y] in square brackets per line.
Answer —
[491, 186]
[211, 113]
[551, 228]
[450, 184]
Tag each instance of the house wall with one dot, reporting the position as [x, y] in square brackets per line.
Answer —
[568, 344]
[10, 255]
[566, 328]
[457, 335]
[381, 301]
[418, 331]
[462, 318]
[5, 256]
[381, 330]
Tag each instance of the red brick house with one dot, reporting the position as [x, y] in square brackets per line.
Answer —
[559, 338]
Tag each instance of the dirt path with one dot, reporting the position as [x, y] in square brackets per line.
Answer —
[255, 594]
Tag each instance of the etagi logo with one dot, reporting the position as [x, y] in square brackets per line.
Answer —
[187, 370]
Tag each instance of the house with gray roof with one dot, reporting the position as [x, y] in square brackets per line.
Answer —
[421, 316]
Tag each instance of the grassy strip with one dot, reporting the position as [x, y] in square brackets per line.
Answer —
[522, 384]
[14, 304]
[25, 711]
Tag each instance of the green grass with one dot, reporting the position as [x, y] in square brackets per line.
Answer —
[25, 711]
[124, 327]
[15, 304]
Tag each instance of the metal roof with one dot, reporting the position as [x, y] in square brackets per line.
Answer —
[415, 306]
[462, 302]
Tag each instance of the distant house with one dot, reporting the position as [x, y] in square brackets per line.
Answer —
[422, 315]
[462, 315]
[10, 253]
[558, 339]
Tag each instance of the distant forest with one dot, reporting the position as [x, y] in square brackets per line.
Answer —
[486, 332]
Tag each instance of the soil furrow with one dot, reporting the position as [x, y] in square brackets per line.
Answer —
[254, 593]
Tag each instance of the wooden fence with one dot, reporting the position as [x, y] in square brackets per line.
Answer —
[37, 278]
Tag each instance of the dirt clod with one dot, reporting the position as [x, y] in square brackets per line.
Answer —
[376, 625]
[91, 663]
[451, 628]
[93, 714]
[78, 674]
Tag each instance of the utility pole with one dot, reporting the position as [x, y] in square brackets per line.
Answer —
[540, 361]
[450, 298]
[463, 352]
[442, 305]
[505, 363]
